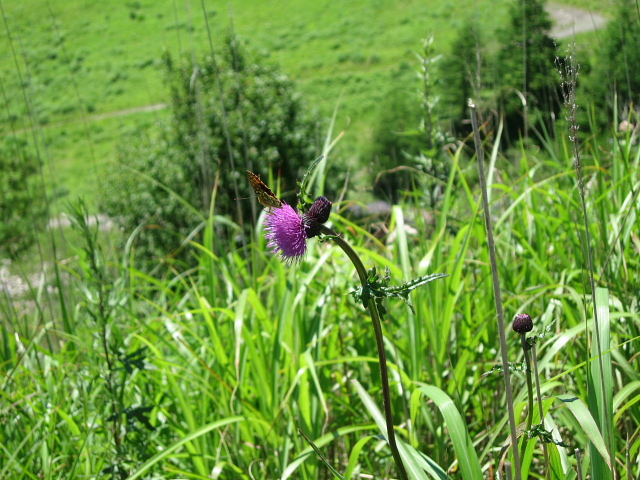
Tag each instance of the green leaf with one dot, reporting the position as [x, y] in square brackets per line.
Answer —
[378, 287]
[415, 462]
[462, 444]
[600, 385]
[355, 453]
[183, 441]
[322, 457]
[305, 182]
[588, 424]
[292, 467]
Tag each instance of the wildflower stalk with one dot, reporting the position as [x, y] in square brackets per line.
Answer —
[522, 323]
[578, 464]
[539, 400]
[382, 356]
[527, 360]
[569, 76]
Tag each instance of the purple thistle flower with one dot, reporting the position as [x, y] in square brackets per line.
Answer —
[288, 231]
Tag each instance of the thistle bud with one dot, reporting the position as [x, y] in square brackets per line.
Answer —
[522, 323]
[316, 216]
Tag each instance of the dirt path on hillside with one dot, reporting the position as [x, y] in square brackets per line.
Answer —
[569, 21]
[130, 111]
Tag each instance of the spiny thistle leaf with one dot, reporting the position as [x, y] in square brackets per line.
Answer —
[378, 287]
[545, 435]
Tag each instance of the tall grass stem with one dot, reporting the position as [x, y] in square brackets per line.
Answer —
[527, 359]
[496, 290]
[569, 85]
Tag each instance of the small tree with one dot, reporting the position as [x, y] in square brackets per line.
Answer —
[22, 199]
[391, 147]
[230, 114]
[526, 66]
[461, 74]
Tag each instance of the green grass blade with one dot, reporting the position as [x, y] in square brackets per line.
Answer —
[555, 465]
[588, 424]
[319, 442]
[353, 456]
[623, 401]
[413, 460]
[323, 459]
[462, 444]
[184, 440]
[600, 386]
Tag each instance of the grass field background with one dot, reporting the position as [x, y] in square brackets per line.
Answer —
[83, 61]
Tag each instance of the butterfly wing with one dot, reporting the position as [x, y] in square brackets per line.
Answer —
[265, 195]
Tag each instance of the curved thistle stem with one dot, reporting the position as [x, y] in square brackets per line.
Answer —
[382, 356]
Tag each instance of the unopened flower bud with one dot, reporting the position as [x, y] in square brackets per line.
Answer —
[316, 216]
[522, 323]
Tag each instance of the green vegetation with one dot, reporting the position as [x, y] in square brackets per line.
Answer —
[225, 361]
[532, 86]
[215, 368]
[261, 125]
[88, 60]
[22, 199]
[615, 89]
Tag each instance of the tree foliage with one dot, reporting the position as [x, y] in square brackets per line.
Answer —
[525, 64]
[391, 146]
[230, 114]
[615, 83]
[462, 74]
[22, 200]
[408, 147]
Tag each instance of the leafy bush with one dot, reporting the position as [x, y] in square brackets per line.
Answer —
[391, 147]
[261, 125]
[22, 199]
[409, 138]
[524, 70]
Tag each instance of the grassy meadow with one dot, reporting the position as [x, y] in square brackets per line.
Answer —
[236, 365]
[82, 61]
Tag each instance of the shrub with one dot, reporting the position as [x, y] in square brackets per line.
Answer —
[461, 75]
[410, 140]
[391, 148]
[261, 124]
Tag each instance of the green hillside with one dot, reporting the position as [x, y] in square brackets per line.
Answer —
[83, 61]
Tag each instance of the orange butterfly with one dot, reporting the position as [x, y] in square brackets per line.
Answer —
[265, 196]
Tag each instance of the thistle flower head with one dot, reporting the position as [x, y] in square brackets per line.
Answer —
[287, 231]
